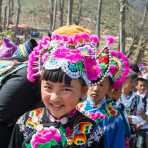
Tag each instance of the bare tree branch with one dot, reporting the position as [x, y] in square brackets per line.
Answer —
[54, 15]
[80, 2]
[98, 23]
[51, 7]
[122, 25]
[18, 14]
[5, 17]
[61, 12]
[69, 16]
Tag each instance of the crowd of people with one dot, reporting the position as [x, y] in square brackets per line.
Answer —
[64, 91]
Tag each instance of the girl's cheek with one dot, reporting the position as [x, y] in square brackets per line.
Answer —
[45, 97]
[46, 101]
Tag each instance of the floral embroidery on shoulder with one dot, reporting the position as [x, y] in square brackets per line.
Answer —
[34, 118]
[78, 135]
[111, 111]
[30, 121]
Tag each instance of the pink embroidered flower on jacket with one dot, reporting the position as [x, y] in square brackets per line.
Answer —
[45, 135]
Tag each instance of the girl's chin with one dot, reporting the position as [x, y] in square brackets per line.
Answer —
[57, 114]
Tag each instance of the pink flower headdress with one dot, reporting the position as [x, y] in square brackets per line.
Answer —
[75, 55]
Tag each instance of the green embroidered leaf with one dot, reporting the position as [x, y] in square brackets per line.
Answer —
[45, 145]
[48, 144]
[80, 66]
[64, 139]
[27, 145]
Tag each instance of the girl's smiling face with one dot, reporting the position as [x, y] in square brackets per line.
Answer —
[59, 98]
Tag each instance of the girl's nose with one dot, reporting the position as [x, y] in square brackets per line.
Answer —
[54, 97]
[95, 87]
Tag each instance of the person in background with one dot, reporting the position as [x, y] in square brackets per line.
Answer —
[139, 116]
[17, 94]
[116, 93]
[99, 106]
[128, 92]
[135, 68]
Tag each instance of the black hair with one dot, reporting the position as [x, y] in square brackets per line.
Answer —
[110, 80]
[132, 75]
[57, 75]
[32, 43]
[49, 34]
[135, 68]
[142, 80]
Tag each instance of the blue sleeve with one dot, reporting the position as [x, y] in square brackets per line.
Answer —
[114, 133]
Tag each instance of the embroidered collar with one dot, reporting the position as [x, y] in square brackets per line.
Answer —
[103, 100]
[142, 95]
[63, 120]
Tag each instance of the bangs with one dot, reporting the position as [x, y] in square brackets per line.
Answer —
[56, 75]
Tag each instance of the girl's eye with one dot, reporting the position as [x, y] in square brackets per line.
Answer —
[101, 84]
[67, 89]
[47, 87]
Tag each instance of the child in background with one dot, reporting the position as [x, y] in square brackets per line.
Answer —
[128, 92]
[64, 75]
[99, 106]
[139, 116]
[141, 87]
[140, 107]
[142, 91]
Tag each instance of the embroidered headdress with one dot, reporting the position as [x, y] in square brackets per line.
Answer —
[113, 63]
[75, 55]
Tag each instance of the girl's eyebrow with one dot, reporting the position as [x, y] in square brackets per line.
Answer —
[47, 83]
[64, 85]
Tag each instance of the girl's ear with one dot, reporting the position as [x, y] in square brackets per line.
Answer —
[84, 91]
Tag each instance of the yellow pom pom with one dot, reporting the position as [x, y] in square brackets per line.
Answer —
[71, 30]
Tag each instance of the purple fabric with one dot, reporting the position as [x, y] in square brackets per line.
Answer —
[7, 48]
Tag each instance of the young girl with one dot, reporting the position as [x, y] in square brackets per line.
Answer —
[99, 106]
[64, 76]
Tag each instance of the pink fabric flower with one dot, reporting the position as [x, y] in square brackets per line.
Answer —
[85, 36]
[45, 135]
[56, 37]
[92, 69]
[118, 83]
[110, 39]
[65, 38]
[113, 69]
[71, 41]
[77, 38]
[97, 115]
[114, 53]
[94, 39]
[72, 55]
